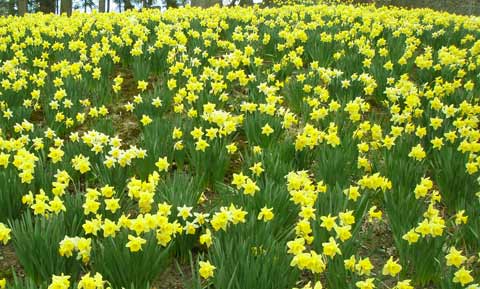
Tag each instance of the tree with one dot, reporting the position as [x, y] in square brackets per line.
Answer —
[66, 7]
[7, 7]
[119, 5]
[47, 6]
[22, 7]
[3, 8]
[172, 3]
[101, 5]
[205, 3]
[128, 4]
[11, 7]
[84, 4]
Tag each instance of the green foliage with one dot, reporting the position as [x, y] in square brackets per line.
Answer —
[36, 242]
[193, 279]
[179, 189]
[212, 164]
[248, 256]
[24, 283]
[125, 269]
[10, 194]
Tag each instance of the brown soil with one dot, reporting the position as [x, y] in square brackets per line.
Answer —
[9, 263]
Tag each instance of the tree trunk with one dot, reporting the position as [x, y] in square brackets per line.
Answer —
[108, 5]
[47, 6]
[66, 7]
[22, 7]
[101, 5]
[171, 4]
[128, 5]
[205, 3]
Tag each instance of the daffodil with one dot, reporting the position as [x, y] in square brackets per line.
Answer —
[135, 243]
[206, 269]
